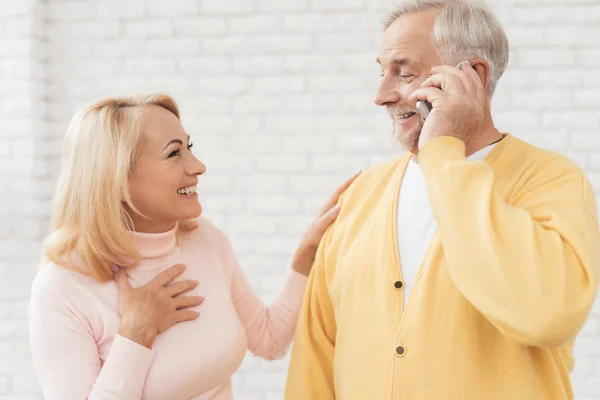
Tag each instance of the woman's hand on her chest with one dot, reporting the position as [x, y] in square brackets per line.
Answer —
[156, 306]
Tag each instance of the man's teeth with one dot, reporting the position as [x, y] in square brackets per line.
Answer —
[187, 190]
[403, 116]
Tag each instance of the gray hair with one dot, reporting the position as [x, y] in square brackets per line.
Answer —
[464, 29]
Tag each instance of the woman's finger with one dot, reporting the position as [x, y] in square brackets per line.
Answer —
[338, 192]
[186, 315]
[122, 281]
[178, 288]
[169, 274]
[187, 301]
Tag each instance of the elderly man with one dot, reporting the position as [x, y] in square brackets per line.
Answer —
[465, 268]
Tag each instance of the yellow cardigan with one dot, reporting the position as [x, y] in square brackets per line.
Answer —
[506, 284]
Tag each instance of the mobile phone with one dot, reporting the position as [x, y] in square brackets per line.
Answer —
[424, 107]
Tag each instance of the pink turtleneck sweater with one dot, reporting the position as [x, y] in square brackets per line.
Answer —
[74, 321]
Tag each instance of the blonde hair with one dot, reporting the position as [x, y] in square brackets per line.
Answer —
[89, 218]
[464, 29]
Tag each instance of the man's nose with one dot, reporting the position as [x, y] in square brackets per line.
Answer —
[387, 93]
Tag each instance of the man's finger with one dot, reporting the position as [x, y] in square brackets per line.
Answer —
[472, 75]
[446, 81]
[431, 94]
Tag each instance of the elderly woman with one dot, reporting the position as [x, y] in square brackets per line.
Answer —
[140, 296]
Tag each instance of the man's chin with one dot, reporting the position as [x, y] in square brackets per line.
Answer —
[408, 140]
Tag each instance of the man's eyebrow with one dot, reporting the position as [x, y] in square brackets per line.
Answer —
[398, 61]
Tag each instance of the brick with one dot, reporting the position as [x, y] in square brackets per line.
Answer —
[256, 103]
[283, 43]
[345, 42]
[258, 64]
[148, 29]
[254, 224]
[273, 204]
[71, 11]
[540, 99]
[311, 102]
[200, 26]
[279, 84]
[333, 5]
[13, 8]
[254, 24]
[573, 36]
[228, 85]
[18, 27]
[95, 29]
[228, 46]
[538, 58]
[583, 98]
[311, 183]
[172, 8]
[120, 9]
[286, 163]
[586, 140]
[149, 66]
[595, 161]
[4, 385]
[122, 47]
[25, 379]
[228, 7]
[572, 119]
[272, 183]
[588, 58]
[282, 5]
[543, 15]
[334, 83]
[291, 123]
[16, 47]
[204, 65]
[520, 36]
[167, 47]
[313, 63]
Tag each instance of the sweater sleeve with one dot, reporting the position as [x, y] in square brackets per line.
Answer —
[269, 329]
[65, 354]
[310, 374]
[532, 268]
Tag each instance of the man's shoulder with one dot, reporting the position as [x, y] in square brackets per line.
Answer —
[540, 160]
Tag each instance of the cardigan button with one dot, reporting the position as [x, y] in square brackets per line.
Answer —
[400, 350]
[398, 285]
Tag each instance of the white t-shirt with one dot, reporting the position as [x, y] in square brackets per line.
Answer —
[416, 224]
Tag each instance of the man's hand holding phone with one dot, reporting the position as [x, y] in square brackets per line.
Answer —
[457, 97]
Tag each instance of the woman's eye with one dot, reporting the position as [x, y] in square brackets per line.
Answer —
[174, 153]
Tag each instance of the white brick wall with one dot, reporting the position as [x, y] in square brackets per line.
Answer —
[277, 95]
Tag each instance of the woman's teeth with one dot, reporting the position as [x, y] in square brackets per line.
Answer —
[187, 190]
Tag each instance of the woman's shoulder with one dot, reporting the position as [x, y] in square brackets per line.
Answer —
[57, 284]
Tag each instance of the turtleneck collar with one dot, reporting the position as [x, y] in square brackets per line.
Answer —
[152, 245]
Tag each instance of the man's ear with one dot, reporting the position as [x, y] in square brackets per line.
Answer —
[483, 70]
